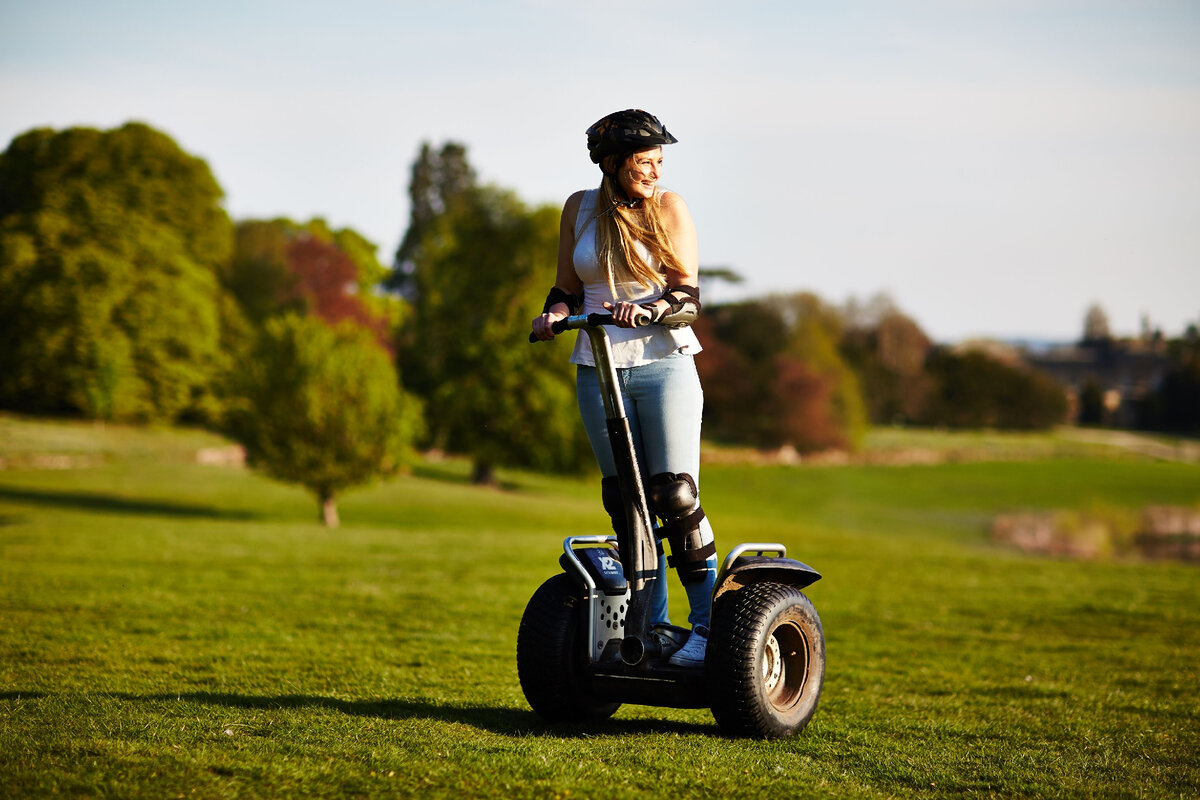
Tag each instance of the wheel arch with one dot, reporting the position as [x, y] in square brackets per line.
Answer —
[746, 570]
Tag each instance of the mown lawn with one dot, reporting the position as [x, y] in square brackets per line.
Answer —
[169, 629]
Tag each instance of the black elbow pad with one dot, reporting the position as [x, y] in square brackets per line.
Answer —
[683, 307]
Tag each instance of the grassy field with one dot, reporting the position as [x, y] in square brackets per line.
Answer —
[170, 629]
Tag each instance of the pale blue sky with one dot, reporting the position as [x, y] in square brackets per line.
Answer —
[995, 165]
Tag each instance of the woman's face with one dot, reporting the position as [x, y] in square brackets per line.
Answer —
[640, 172]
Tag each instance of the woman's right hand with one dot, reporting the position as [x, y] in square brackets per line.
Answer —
[542, 323]
[628, 315]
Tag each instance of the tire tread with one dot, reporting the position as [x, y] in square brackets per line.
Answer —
[548, 665]
[741, 624]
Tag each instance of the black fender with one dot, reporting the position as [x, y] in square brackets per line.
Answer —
[742, 569]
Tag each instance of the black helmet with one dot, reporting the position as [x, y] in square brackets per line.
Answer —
[624, 132]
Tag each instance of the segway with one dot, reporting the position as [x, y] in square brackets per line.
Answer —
[585, 644]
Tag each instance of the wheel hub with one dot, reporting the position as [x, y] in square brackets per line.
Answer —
[784, 666]
[772, 664]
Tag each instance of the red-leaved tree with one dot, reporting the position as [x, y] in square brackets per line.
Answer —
[326, 282]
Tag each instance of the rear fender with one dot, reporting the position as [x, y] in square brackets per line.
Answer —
[749, 563]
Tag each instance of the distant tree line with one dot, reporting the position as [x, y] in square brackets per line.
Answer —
[792, 370]
[1147, 382]
[1174, 405]
[127, 293]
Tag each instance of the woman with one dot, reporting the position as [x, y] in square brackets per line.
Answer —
[630, 248]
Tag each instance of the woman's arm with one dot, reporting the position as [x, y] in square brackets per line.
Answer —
[682, 230]
[565, 277]
[680, 304]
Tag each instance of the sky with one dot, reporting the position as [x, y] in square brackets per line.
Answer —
[994, 166]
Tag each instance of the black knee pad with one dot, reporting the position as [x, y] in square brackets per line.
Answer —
[614, 504]
[674, 500]
[671, 494]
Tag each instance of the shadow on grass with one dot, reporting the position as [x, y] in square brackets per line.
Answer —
[433, 471]
[502, 721]
[90, 501]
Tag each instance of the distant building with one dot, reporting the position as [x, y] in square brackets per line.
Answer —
[1117, 372]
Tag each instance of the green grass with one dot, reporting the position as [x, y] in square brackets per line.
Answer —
[169, 629]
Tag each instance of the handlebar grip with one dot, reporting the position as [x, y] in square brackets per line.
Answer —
[593, 320]
[559, 326]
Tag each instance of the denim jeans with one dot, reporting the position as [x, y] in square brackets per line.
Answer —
[663, 402]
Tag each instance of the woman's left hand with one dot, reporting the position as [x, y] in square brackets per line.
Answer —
[627, 315]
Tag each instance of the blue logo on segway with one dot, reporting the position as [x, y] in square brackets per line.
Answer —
[603, 564]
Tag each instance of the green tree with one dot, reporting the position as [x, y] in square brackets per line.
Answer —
[322, 407]
[109, 246]
[1091, 403]
[743, 343]
[481, 270]
[974, 390]
[816, 333]
[1174, 405]
[437, 177]
[258, 275]
[887, 350]
[773, 375]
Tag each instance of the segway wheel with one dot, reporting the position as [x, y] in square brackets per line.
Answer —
[765, 661]
[550, 657]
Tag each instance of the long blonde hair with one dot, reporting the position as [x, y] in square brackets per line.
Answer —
[618, 227]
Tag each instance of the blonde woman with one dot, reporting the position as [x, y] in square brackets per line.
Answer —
[628, 247]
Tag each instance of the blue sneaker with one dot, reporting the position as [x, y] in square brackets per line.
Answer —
[692, 653]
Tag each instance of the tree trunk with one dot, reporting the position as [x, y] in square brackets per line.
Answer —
[329, 514]
[483, 474]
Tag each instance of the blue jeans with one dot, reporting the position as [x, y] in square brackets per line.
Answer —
[663, 401]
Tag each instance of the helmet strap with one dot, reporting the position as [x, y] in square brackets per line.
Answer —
[620, 197]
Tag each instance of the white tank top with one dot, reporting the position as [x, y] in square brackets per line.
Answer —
[631, 347]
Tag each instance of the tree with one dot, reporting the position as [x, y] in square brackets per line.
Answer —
[1091, 403]
[815, 332]
[1095, 325]
[888, 350]
[773, 376]
[1179, 395]
[743, 343]
[802, 409]
[322, 407]
[109, 246]
[326, 284]
[974, 390]
[280, 267]
[1174, 405]
[437, 178]
[259, 275]
[480, 273]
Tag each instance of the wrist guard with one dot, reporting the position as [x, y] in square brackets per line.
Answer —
[557, 295]
[683, 307]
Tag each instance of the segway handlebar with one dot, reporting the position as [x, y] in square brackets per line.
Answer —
[586, 321]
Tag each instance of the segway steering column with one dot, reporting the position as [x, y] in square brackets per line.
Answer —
[639, 553]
